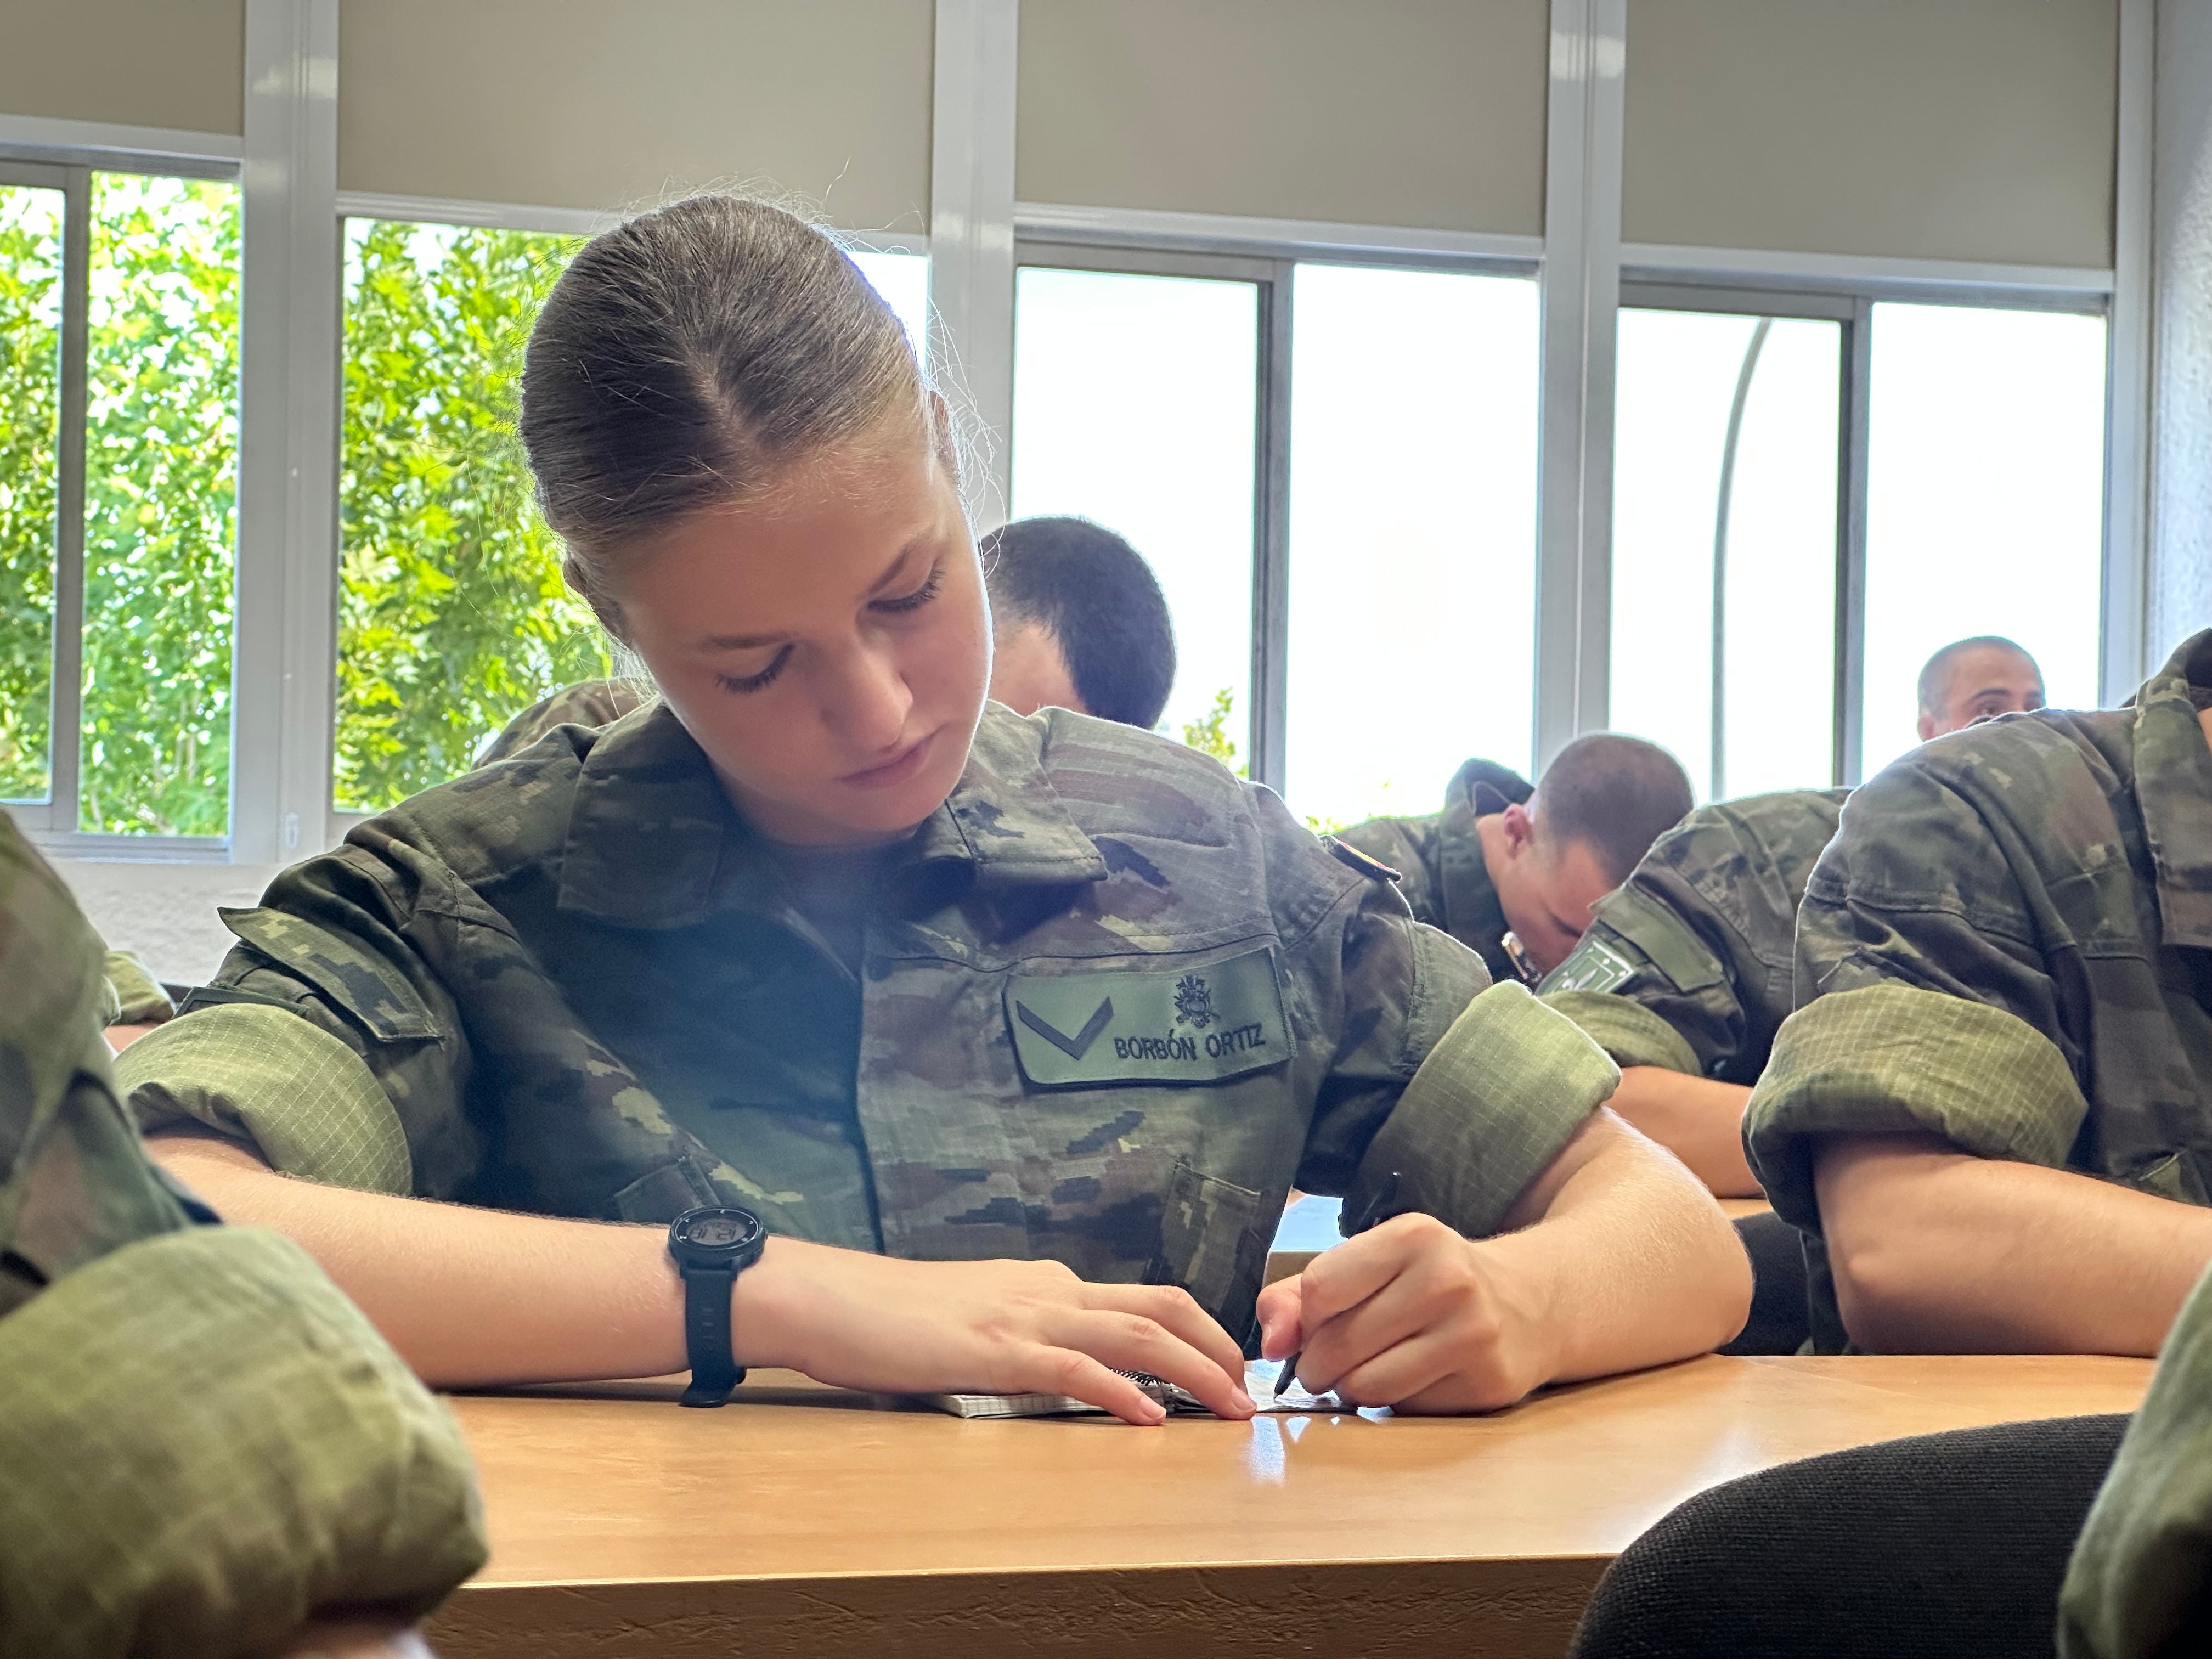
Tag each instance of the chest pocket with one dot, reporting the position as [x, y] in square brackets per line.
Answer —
[1149, 1024]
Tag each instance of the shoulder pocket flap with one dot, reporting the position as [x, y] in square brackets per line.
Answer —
[1672, 945]
[1149, 1024]
[373, 993]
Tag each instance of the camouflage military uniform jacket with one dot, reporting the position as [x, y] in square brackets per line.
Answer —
[201, 1441]
[1689, 963]
[2008, 943]
[2140, 1584]
[1439, 860]
[1112, 1003]
[591, 704]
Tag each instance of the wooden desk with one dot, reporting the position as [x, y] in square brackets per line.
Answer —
[1737, 1208]
[801, 1521]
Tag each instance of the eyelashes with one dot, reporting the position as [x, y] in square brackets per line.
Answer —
[914, 601]
[904, 605]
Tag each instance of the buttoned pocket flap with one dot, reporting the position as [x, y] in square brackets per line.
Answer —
[372, 992]
[1144, 1024]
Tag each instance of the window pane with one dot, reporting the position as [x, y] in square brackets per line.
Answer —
[1678, 380]
[903, 281]
[160, 505]
[1095, 434]
[1985, 499]
[30, 396]
[1413, 534]
[452, 614]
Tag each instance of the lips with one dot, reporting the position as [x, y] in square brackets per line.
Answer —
[896, 771]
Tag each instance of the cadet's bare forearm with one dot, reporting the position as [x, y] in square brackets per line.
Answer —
[1697, 1120]
[1632, 1260]
[1935, 1251]
[467, 1297]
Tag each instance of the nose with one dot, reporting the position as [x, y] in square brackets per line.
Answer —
[869, 707]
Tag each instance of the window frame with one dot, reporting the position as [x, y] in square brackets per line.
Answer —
[1851, 305]
[51, 824]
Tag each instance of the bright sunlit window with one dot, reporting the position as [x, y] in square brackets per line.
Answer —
[1985, 499]
[1413, 535]
[1725, 446]
[1094, 435]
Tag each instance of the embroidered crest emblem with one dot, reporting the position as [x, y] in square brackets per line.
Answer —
[1194, 1002]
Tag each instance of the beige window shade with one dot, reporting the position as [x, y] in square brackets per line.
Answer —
[128, 63]
[1974, 130]
[1418, 114]
[604, 105]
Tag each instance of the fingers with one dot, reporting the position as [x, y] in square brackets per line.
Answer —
[1282, 1325]
[1079, 1376]
[1177, 1310]
[1136, 1342]
[1338, 1280]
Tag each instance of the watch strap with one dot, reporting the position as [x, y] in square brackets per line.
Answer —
[714, 1372]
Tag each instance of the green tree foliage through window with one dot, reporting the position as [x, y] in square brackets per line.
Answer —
[451, 614]
[30, 416]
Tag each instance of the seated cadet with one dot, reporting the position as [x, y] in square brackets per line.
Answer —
[1686, 971]
[1989, 1111]
[1013, 1033]
[1977, 679]
[204, 1443]
[1078, 621]
[1512, 871]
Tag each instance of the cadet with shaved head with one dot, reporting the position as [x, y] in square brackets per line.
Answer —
[1512, 870]
[1977, 679]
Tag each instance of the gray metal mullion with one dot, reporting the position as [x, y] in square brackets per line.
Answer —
[65, 721]
[1271, 533]
[1852, 430]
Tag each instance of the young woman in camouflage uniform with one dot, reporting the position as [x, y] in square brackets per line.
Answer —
[1014, 1032]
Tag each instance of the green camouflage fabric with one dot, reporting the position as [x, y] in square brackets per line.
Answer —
[2008, 943]
[1113, 1003]
[1689, 963]
[261, 1455]
[2140, 1584]
[589, 704]
[138, 998]
[1438, 859]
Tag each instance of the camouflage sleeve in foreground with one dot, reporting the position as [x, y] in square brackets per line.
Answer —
[2140, 1585]
[590, 702]
[1916, 1018]
[261, 1452]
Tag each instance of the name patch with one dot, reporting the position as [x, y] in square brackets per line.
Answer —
[1146, 1024]
[1595, 964]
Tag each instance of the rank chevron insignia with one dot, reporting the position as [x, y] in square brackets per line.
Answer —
[1073, 1047]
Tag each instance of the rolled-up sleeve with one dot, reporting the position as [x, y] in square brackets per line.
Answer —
[1630, 1033]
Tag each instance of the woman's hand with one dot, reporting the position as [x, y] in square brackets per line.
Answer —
[1409, 1315]
[867, 1321]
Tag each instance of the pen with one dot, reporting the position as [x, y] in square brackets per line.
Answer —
[1373, 1213]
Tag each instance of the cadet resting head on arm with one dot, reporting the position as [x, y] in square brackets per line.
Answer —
[204, 1443]
[1014, 1032]
[1078, 621]
[1990, 1112]
[1686, 971]
[1513, 871]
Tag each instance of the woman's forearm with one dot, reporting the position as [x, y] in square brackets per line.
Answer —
[1697, 1120]
[1935, 1251]
[467, 1297]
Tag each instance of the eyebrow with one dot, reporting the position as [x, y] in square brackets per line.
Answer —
[755, 642]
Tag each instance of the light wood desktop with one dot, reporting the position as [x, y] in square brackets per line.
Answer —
[800, 1520]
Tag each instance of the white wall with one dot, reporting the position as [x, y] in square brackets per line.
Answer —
[166, 912]
[2181, 219]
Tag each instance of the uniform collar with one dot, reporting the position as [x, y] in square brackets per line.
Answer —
[2173, 788]
[654, 842]
[1473, 914]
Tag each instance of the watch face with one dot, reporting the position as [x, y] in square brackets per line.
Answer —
[725, 1232]
[713, 1230]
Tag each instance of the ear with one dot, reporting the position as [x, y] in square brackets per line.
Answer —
[1520, 829]
[1927, 727]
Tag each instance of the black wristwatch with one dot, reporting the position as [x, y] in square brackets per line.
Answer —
[712, 1245]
